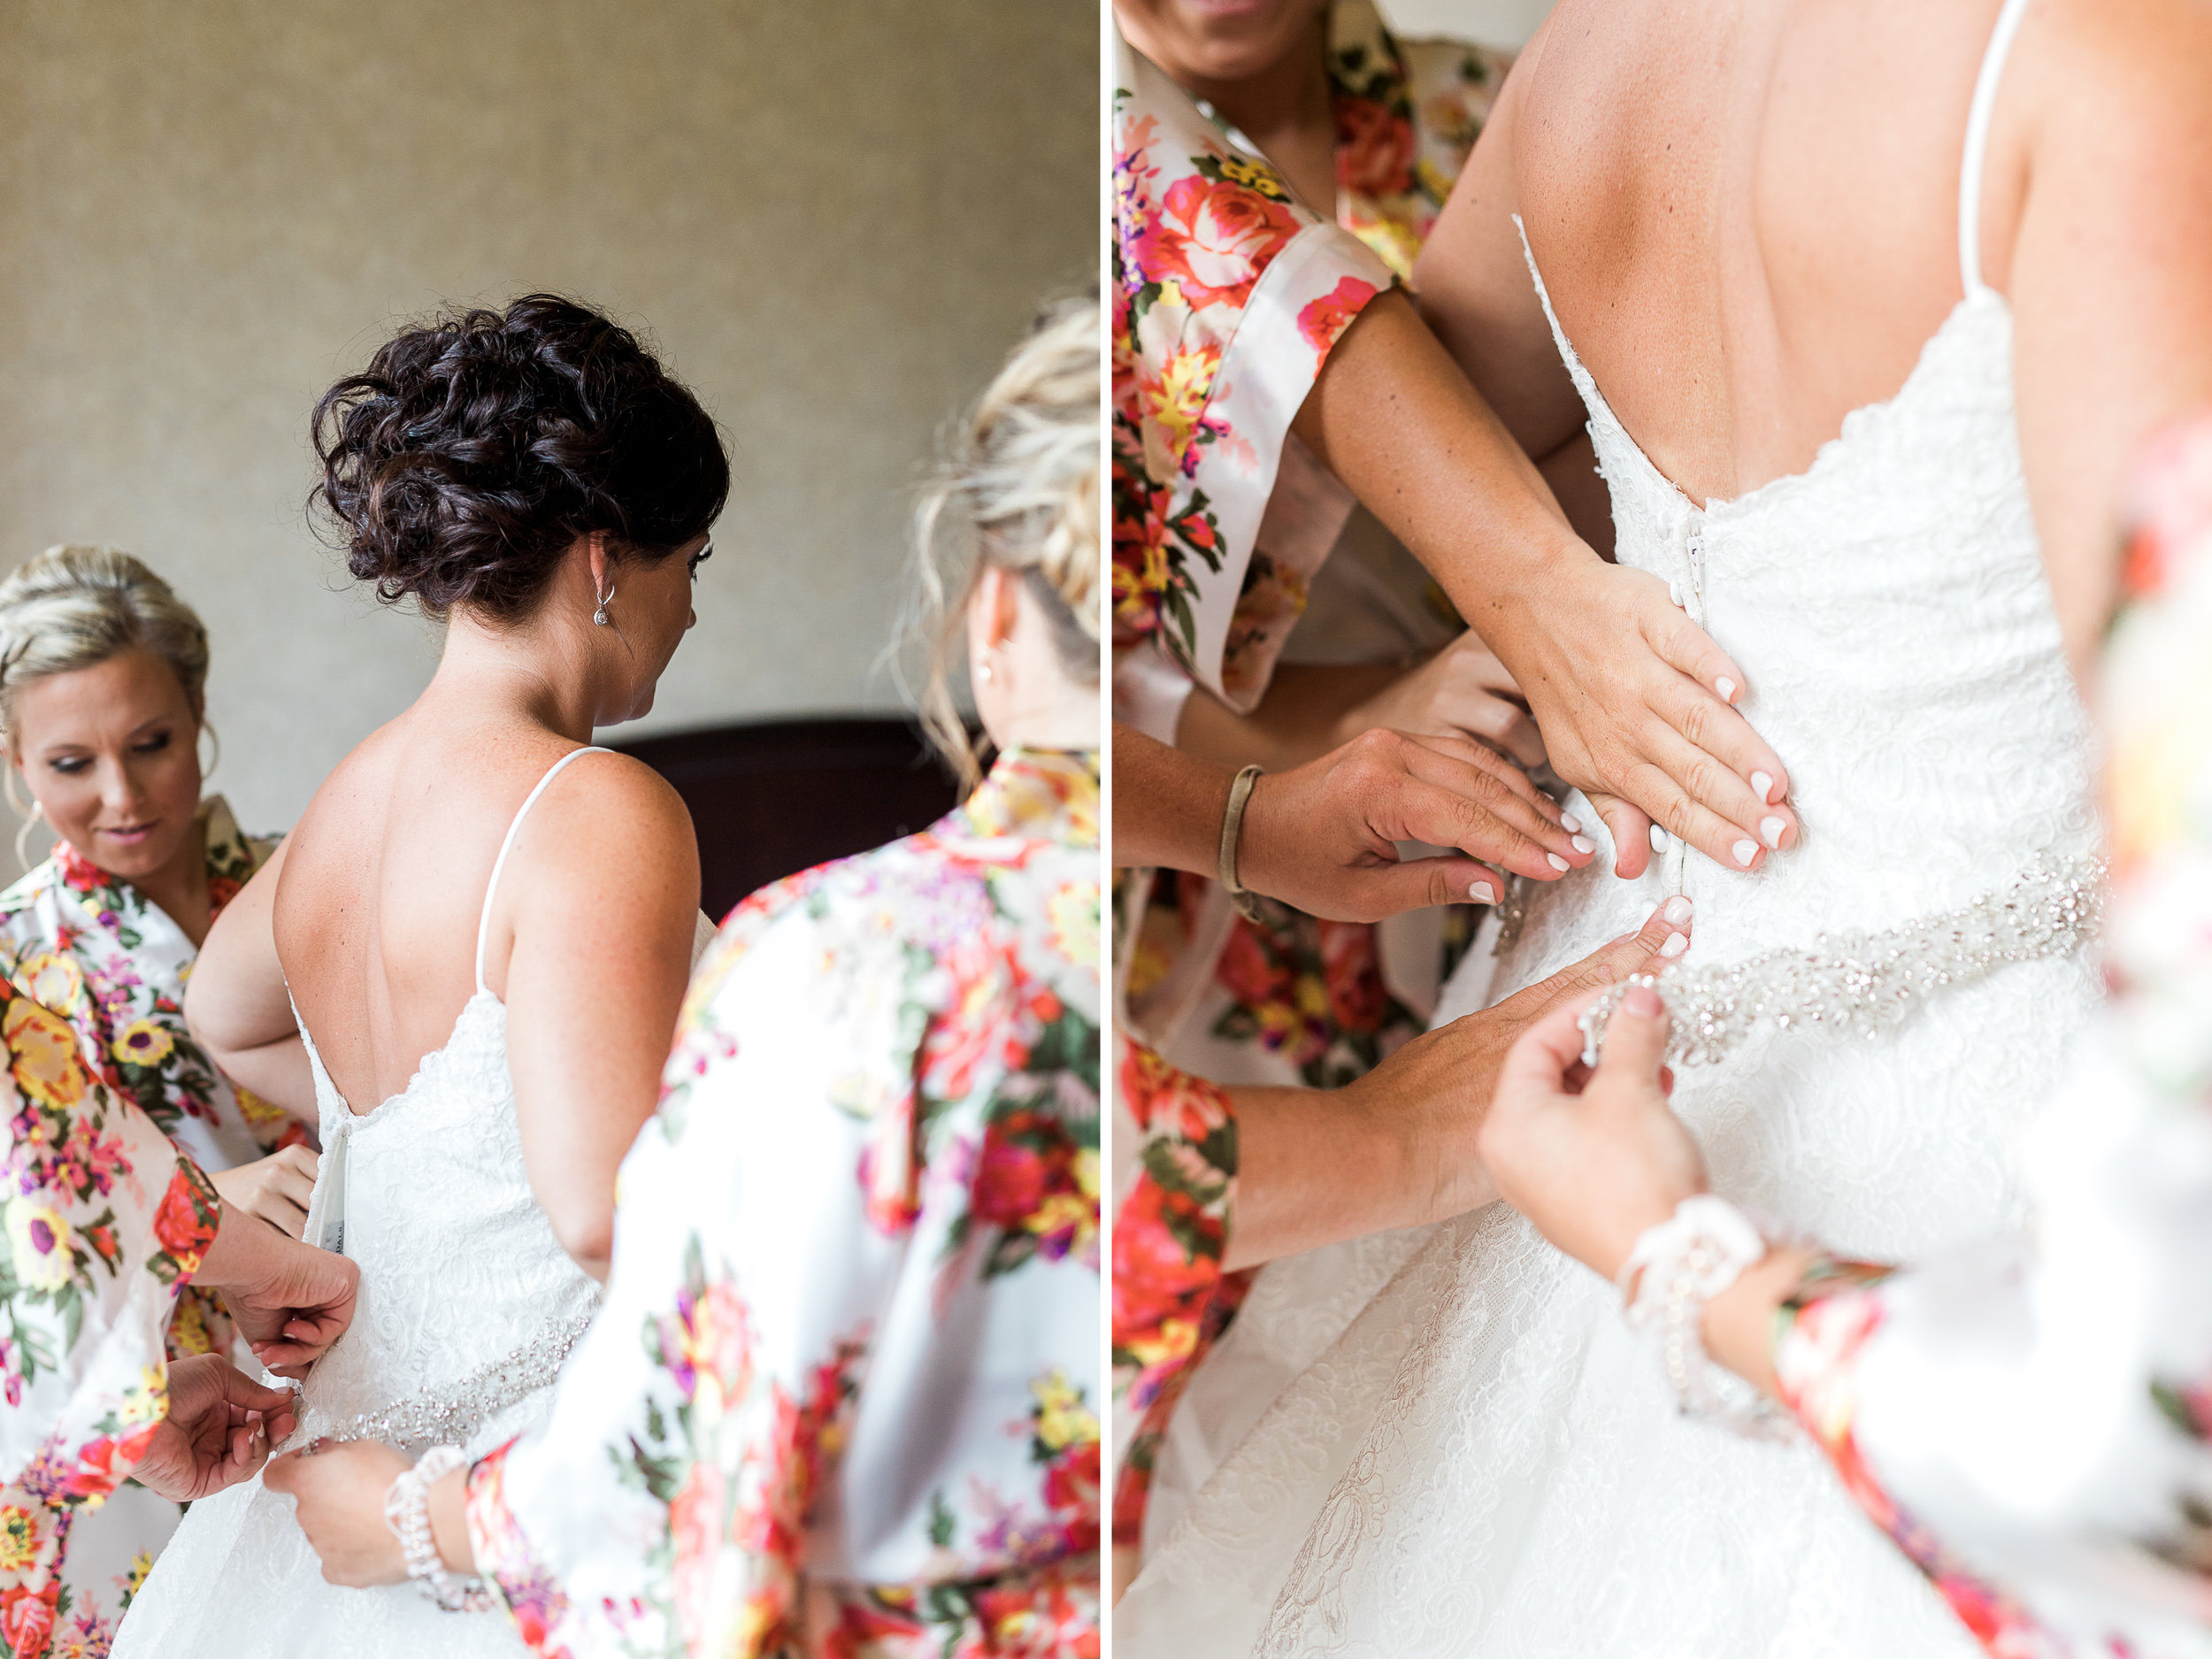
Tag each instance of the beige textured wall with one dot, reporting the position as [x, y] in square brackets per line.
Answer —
[1492, 22]
[833, 216]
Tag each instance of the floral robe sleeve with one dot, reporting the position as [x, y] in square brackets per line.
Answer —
[2032, 1424]
[843, 1397]
[105, 1221]
[1228, 297]
[1175, 1139]
[92, 948]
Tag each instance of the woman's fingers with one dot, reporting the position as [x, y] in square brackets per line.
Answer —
[1634, 839]
[1418, 883]
[1541, 1057]
[1636, 1039]
[1711, 752]
[1485, 807]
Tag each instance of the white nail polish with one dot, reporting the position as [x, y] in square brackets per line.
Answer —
[1557, 862]
[1770, 830]
[1764, 785]
[1582, 843]
[1674, 592]
[1481, 893]
[1677, 910]
[1746, 851]
[1658, 839]
[1568, 822]
[1675, 946]
[1726, 687]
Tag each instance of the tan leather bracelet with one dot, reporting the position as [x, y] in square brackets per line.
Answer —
[1231, 827]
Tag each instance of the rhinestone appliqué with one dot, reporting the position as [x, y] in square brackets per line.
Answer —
[451, 1414]
[1869, 982]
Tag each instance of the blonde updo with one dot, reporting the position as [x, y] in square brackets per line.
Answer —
[1019, 488]
[74, 607]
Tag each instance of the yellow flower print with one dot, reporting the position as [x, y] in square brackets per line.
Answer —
[1072, 912]
[142, 1563]
[1086, 1169]
[146, 1400]
[54, 979]
[144, 1043]
[18, 1539]
[41, 1239]
[1061, 1417]
[1253, 175]
[44, 1051]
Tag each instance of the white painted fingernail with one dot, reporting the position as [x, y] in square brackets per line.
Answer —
[1763, 784]
[1677, 910]
[1726, 687]
[1771, 828]
[1746, 851]
[1582, 843]
[1677, 943]
[1568, 822]
[1481, 893]
[1557, 862]
[1674, 592]
[1658, 839]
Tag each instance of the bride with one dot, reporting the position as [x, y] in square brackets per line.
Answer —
[485, 925]
[1860, 389]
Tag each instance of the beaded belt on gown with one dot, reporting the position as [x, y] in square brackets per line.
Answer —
[1869, 981]
[450, 1413]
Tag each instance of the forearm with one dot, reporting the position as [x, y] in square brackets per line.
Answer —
[1303, 715]
[1394, 417]
[1314, 1167]
[1168, 804]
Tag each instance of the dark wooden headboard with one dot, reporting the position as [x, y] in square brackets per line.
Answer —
[772, 797]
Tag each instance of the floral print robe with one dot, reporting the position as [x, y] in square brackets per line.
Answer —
[92, 948]
[843, 1396]
[1228, 296]
[105, 1220]
[2032, 1421]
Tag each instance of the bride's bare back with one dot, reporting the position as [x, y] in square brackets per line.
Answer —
[1747, 216]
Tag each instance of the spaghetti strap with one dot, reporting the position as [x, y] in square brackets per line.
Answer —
[1972, 165]
[484, 916]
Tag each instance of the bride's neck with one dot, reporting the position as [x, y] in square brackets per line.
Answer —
[526, 671]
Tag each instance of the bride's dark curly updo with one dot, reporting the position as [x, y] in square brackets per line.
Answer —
[478, 446]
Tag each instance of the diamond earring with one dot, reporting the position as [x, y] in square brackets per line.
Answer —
[600, 614]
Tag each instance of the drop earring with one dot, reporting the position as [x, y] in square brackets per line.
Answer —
[600, 614]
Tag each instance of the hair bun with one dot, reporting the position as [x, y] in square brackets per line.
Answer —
[477, 447]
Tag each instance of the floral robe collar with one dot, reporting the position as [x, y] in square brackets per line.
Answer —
[93, 947]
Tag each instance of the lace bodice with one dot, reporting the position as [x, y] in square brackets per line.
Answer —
[460, 1270]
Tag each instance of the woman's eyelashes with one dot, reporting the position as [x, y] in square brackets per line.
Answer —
[69, 765]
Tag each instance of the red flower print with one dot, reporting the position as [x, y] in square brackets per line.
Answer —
[26, 1618]
[1324, 320]
[1374, 148]
[1167, 1256]
[1167, 1100]
[220, 890]
[696, 1519]
[1213, 239]
[1357, 999]
[185, 1225]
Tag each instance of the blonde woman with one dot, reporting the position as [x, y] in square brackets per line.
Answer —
[842, 1398]
[102, 677]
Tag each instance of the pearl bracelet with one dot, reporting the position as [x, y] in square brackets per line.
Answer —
[407, 1512]
[1675, 1268]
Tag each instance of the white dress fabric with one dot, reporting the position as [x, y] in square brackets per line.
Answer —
[1447, 1442]
[467, 1303]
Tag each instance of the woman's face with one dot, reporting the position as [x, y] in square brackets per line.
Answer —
[112, 754]
[1215, 41]
[651, 611]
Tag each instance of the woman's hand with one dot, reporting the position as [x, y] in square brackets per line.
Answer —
[1637, 706]
[1462, 691]
[218, 1431]
[276, 1189]
[1324, 837]
[1402, 1147]
[1592, 1159]
[289, 1300]
[340, 1491]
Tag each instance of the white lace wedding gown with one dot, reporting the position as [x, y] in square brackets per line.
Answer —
[1445, 1441]
[467, 1304]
